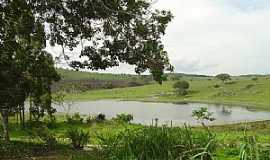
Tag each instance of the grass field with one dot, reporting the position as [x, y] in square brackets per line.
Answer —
[240, 91]
[229, 139]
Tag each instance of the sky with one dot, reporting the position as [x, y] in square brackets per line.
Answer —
[216, 36]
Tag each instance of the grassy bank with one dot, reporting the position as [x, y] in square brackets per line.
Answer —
[226, 141]
[240, 91]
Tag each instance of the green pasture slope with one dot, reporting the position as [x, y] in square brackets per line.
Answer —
[242, 90]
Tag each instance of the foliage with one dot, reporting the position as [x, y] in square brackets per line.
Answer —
[90, 119]
[127, 118]
[227, 141]
[181, 87]
[159, 143]
[74, 119]
[95, 118]
[50, 122]
[254, 78]
[79, 138]
[100, 117]
[250, 149]
[223, 77]
[249, 86]
[202, 114]
[28, 71]
[47, 136]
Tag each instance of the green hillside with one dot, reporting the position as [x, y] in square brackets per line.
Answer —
[239, 91]
[82, 75]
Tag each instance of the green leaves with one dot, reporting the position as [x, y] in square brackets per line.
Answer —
[126, 31]
[181, 87]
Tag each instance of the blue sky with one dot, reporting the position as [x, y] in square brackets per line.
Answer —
[215, 36]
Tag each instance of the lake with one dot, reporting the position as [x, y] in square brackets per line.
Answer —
[146, 112]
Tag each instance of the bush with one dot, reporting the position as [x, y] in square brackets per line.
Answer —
[254, 78]
[90, 119]
[249, 86]
[46, 136]
[223, 77]
[127, 118]
[181, 87]
[79, 138]
[216, 86]
[75, 119]
[101, 117]
[50, 122]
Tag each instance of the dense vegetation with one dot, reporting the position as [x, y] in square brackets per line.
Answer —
[78, 81]
[125, 31]
[112, 139]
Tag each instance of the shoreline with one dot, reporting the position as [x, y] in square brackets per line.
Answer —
[254, 107]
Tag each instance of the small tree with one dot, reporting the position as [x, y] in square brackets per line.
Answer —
[181, 87]
[202, 115]
[223, 77]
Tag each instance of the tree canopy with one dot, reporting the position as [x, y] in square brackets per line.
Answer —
[181, 87]
[109, 32]
[223, 77]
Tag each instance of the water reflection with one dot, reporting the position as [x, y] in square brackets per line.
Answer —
[166, 113]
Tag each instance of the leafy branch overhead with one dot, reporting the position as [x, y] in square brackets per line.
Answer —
[126, 31]
[116, 31]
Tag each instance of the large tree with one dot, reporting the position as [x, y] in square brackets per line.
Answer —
[108, 32]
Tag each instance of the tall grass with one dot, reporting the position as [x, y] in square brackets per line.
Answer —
[250, 149]
[149, 143]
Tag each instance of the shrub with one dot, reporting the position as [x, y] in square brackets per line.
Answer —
[202, 114]
[254, 78]
[90, 119]
[79, 138]
[50, 122]
[46, 136]
[74, 119]
[181, 87]
[223, 77]
[100, 117]
[249, 86]
[127, 118]
[216, 86]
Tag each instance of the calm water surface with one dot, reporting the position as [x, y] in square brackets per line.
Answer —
[145, 112]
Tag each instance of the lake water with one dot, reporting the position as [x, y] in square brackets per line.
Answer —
[146, 112]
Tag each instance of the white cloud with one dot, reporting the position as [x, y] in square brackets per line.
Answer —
[214, 36]
[232, 35]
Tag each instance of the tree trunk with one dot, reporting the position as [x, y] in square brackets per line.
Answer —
[23, 117]
[4, 115]
[30, 109]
